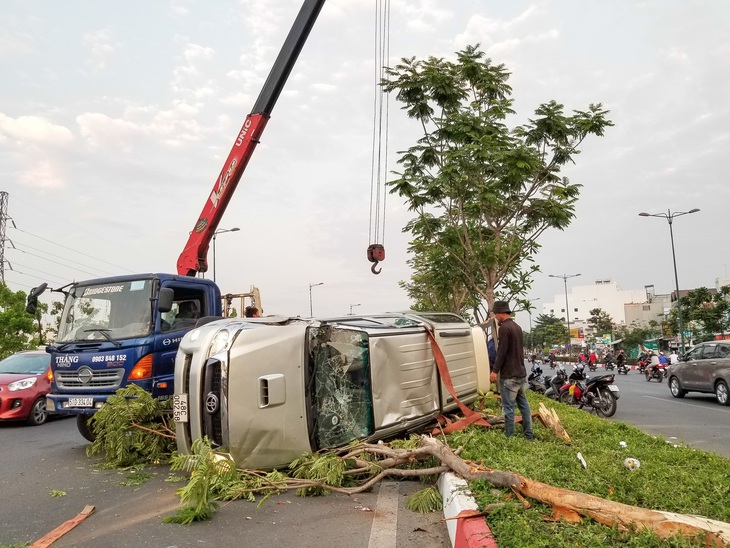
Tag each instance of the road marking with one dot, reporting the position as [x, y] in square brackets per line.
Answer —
[385, 521]
[718, 408]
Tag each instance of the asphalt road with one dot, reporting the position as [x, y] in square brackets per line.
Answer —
[39, 460]
[696, 420]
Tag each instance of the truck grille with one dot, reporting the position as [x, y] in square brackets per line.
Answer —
[212, 402]
[85, 378]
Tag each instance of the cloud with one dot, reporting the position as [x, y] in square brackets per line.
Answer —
[34, 129]
[101, 48]
[43, 174]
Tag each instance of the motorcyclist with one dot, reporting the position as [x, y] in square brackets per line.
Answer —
[621, 358]
[608, 360]
[653, 363]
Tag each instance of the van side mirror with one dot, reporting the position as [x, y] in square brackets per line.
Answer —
[32, 303]
[165, 299]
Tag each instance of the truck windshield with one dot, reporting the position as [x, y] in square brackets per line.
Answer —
[109, 311]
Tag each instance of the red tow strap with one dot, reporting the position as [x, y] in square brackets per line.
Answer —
[470, 416]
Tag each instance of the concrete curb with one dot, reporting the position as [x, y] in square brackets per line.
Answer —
[458, 501]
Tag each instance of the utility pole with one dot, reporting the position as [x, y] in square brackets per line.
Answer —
[3, 224]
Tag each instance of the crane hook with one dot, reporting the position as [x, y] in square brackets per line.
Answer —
[376, 253]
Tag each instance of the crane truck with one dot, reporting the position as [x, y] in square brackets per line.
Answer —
[126, 329]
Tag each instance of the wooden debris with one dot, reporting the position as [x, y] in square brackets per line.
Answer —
[550, 419]
[62, 529]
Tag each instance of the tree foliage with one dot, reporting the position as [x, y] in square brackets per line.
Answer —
[549, 331]
[17, 327]
[706, 311]
[600, 321]
[635, 334]
[482, 193]
[132, 428]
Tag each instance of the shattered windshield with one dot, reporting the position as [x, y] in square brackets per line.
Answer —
[107, 312]
[340, 389]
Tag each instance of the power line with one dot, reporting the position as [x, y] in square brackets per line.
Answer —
[56, 262]
[71, 249]
[50, 276]
[55, 215]
[23, 245]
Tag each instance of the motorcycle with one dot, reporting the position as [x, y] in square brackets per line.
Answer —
[622, 368]
[642, 365]
[535, 380]
[554, 384]
[655, 372]
[598, 394]
[592, 366]
[609, 365]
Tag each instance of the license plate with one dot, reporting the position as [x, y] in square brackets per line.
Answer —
[613, 388]
[81, 402]
[180, 408]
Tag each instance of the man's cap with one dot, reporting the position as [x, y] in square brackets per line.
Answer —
[501, 307]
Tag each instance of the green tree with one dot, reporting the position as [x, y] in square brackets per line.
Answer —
[600, 321]
[635, 334]
[548, 331]
[17, 328]
[483, 193]
[708, 311]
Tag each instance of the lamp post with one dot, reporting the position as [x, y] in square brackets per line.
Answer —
[221, 231]
[311, 314]
[353, 306]
[529, 311]
[669, 216]
[567, 311]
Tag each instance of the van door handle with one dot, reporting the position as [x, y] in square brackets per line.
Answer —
[447, 334]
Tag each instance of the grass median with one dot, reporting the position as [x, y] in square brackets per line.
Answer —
[670, 477]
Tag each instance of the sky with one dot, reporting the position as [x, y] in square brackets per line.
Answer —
[116, 119]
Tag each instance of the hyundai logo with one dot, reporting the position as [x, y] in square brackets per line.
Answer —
[211, 403]
[85, 375]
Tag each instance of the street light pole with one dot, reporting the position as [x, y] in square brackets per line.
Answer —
[669, 216]
[529, 311]
[311, 314]
[221, 231]
[567, 311]
[353, 306]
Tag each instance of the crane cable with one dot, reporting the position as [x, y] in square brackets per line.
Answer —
[379, 167]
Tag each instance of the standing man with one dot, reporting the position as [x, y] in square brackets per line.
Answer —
[510, 366]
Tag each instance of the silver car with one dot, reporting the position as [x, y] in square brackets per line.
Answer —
[705, 368]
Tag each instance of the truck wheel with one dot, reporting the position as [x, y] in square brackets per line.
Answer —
[82, 423]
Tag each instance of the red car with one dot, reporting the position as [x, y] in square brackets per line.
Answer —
[25, 379]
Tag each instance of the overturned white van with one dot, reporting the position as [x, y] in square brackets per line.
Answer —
[268, 389]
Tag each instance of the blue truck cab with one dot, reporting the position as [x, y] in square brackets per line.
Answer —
[121, 330]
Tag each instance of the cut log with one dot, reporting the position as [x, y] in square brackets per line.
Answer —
[624, 516]
[550, 419]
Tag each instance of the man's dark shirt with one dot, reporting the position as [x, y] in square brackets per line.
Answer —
[510, 361]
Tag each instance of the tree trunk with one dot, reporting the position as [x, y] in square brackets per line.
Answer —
[624, 516]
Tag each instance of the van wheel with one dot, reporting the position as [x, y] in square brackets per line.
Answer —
[676, 390]
[82, 423]
[721, 393]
